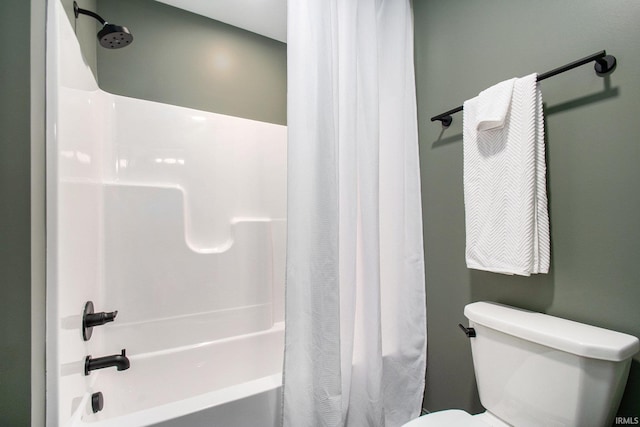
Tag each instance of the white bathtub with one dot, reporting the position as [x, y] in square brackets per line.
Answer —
[233, 382]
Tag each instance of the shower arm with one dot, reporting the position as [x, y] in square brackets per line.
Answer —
[77, 11]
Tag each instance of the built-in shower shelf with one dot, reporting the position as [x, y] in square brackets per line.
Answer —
[164, 207]
[146, 255]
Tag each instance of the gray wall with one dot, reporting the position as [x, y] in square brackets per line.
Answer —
[15, 220]
[86, 29]
[593, 137]
[181, 58]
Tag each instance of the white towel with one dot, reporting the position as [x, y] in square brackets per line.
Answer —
[507, 222]
[493, 105]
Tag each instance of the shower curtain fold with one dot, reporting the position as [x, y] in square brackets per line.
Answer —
[355, 345]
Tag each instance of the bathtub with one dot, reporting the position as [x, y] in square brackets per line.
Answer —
[185, 387]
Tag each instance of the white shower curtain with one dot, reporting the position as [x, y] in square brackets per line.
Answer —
[355, 301]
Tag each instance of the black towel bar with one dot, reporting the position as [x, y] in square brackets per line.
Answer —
[604, 65]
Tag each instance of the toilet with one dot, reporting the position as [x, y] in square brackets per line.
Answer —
[536, 370]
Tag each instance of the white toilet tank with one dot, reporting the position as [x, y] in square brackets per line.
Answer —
[533, 369]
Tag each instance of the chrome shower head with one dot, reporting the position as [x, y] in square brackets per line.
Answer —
[110, 36]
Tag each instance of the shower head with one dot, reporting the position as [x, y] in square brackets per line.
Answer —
[114, 36]
[110, 36]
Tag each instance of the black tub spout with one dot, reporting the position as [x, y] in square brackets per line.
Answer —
[120, 361]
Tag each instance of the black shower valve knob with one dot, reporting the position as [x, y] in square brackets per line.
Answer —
[97, 319]
[91, 319]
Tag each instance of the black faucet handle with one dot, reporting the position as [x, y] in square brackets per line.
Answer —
[97, 319]
[91, 319]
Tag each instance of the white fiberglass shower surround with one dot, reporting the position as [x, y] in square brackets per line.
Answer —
[175, 218]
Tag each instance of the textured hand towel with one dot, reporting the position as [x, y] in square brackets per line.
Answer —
[493, 105]
[507, 222]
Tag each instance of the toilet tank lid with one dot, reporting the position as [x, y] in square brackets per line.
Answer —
[555, 332]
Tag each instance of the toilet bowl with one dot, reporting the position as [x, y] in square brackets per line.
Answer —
[455, 418]
[533, 370]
